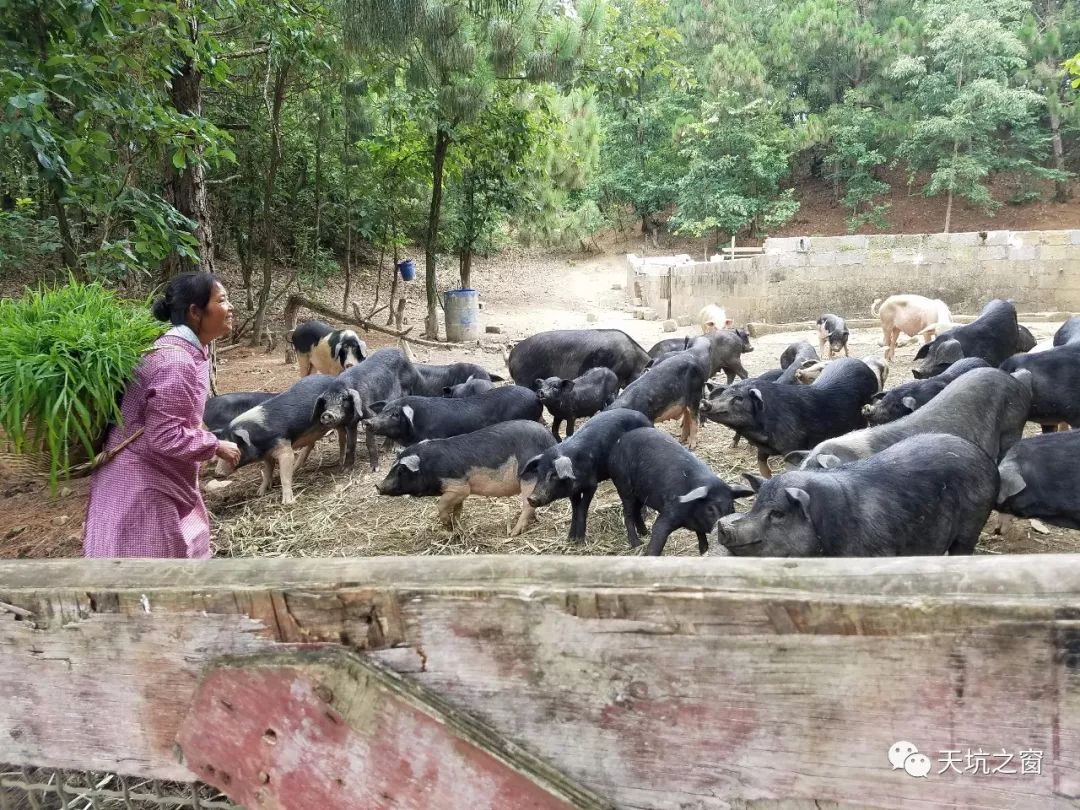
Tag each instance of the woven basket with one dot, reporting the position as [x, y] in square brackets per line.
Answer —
[34, 465]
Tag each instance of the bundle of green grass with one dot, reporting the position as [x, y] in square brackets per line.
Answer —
[66, 355]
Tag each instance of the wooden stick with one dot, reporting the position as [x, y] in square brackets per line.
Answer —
[297, 301]
[105, 456]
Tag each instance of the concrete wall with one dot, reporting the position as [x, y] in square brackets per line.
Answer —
[802, 277]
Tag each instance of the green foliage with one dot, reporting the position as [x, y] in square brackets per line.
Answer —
[84, 88]
[66, 355]
[961, 90]
[737, 157]
[856, 156]
[25, 237]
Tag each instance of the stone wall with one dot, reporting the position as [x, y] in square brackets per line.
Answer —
[799, 278]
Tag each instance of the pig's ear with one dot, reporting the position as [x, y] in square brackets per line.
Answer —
[377, 407]
[801, 498]
[755, 394]
[755, 481]
[564, 467]
[537, 385]
[808, 363]
[566, 385]
[910, 403]
[357, 402]
[320, 406]
[528, 470]
[410, 462]
[1012, 481]
[827, 461]
[877, 396]
[710, 387]
[795, 458]
[409, 413]
[242, 436]
[448, 391]
[696, 494]
[741, 492]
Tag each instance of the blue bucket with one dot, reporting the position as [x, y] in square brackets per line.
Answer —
[407, 268]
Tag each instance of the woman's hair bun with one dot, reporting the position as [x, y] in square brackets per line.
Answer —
[160, 309]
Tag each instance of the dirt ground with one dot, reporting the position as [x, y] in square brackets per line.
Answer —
[338, 512]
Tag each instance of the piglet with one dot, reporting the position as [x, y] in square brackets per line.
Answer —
[570, 400]
[649, 468]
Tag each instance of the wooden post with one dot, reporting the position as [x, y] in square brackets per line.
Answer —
[657, 683]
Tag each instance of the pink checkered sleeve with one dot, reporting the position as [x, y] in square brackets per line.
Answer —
[173, 410]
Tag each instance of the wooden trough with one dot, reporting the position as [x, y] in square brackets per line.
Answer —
[475, 682]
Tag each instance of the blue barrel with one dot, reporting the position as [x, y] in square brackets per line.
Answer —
[462, 308]
[407, 268]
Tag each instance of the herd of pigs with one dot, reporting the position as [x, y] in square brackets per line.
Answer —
[915, 469]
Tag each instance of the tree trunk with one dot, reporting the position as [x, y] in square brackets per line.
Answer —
[185, 188]
[348, 261]
[71, 256]
[465, 267]
[268, 198]
[431, 240]
[1061, 186]
[952, 184]
[318, 182]
[396, 275]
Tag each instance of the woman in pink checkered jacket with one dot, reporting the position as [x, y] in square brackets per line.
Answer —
[145, 502]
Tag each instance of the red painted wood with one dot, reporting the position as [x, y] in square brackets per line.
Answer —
[269, 738]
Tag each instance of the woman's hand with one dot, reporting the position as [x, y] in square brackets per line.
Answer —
[229, 452]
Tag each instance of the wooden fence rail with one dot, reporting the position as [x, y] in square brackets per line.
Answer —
[669, 683]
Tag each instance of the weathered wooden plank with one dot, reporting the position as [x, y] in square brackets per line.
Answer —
[657, 683]
[330, 729]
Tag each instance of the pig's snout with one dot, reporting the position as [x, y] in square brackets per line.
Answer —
[868, 411]
[329, 418]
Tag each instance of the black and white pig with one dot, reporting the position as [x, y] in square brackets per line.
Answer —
[1040, 478]
[322, 349]
[468, 388]
[779, 419]
[1069, 332]
[986, 406]
[570, 400]
[993, 336]
[1055, 385]
[670, 390]
[649, 468]
[574, 468]
[272, 430]
[386, 375]
[908, 397]
[832, 332]
[569, 353]
[409, 420]
[930, 494]
[222, 409]
[721, 350]
[434, 380]
[485, 462]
